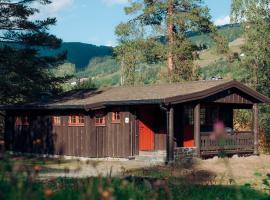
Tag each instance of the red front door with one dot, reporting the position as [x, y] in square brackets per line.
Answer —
[146, 133]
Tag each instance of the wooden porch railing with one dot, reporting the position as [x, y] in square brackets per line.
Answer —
[240, 142]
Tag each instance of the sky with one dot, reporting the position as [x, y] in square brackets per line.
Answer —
[94, 21]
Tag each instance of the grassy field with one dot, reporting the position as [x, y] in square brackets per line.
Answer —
[20, 179]
[128, 188]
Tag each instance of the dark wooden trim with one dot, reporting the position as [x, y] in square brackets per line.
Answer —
[255, 114]
[197, 125]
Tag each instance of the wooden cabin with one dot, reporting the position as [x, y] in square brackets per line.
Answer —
[124, 122]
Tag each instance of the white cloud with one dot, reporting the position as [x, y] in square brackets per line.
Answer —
[110, 43]
[222, 21]
[114, 2]
[54, 8]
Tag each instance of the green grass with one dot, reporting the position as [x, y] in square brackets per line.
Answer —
[223, 69]
[132, 188]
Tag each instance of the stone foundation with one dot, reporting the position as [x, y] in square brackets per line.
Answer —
[184, 153]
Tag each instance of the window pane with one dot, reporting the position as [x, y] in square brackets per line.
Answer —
[76, 120]
[116, 117]
[100, 120]
[56, 120]
[81, 119]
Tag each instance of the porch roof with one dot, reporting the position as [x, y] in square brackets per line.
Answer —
[152, 94]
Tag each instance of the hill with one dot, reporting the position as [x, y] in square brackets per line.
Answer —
[98, 64]
[80, 53]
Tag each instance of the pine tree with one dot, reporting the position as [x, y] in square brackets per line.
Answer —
[25, 73]
[158, 32]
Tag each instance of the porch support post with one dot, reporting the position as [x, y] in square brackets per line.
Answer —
[170, 141]
[255, 114]
[197, 128]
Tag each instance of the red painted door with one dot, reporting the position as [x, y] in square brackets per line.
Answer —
[146, 133]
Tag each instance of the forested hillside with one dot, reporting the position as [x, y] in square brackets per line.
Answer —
[105, 71]
[79, 54]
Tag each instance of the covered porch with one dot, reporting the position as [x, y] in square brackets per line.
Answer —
[192, 126]
[185, 124]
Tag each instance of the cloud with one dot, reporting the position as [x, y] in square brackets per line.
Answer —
[222, 21]
[110, 43]
[115, 2]
[53, 9]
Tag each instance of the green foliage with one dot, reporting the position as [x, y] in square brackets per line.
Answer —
[28, 187]
[223, 69]
[255, 18]
[99, 66]
[88, 84]
[140, 38]
[66, 69]
[230, 32]
[20, 180]
[25, 73]
[80, 53]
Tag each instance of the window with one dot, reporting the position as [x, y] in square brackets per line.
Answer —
[100, 119]
[22, 121]
[116, 117]
[56, 120]
[81, 119]
[76, 120]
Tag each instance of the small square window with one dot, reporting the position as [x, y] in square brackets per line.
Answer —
[116, 117]
[81, 120]
[100, 119]
[56, 120]
[76, 120]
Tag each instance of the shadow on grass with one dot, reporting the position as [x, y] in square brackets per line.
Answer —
[186, 171]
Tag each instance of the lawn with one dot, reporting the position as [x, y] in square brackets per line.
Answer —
[20, 179]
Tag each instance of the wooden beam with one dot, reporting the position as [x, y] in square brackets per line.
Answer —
[197, 128]
[255, 114]
[170, 141]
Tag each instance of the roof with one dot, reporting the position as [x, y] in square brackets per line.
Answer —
[150, 94]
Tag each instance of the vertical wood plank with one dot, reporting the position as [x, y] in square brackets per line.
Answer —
[256, 128]
[197, 125]
[171, 136]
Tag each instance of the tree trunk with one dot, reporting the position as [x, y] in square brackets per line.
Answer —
[170, 39]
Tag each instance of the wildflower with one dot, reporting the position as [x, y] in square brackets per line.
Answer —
[105, 194]
[48, 193]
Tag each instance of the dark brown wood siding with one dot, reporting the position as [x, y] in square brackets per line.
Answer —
[42, 137]
[231, 96]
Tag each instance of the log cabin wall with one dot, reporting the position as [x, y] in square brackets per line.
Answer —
[40, 136]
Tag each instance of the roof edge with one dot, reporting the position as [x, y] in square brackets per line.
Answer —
[216, 89]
